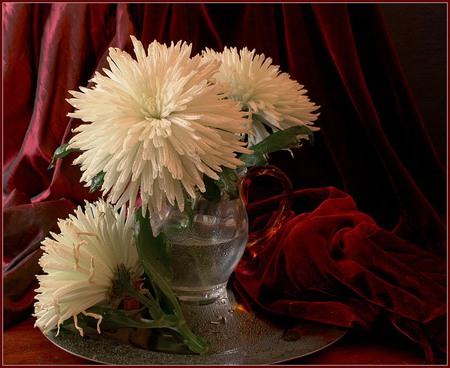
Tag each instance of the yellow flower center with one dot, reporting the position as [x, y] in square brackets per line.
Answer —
[155, 107]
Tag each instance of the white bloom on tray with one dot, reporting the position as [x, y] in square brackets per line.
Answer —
[156, 126]
[271, 97]
[81, 264]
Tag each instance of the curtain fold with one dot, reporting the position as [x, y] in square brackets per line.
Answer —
[401, 188]
[372, 144]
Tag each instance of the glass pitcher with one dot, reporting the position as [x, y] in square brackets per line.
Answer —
[206, 242]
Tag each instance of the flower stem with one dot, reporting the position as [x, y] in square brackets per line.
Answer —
[195, 343]
[175, 322]
[149, 302]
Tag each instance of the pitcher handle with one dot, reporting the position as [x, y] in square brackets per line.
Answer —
[258, 238]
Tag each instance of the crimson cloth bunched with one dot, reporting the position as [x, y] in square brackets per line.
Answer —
[333, 264]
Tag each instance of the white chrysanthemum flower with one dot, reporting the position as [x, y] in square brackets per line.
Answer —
[157, 125]
[271, 97]
[81, 264]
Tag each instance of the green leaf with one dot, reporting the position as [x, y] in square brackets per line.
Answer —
[97, 181]
[212, 193]
[283, 139]
[117, 325]
[60, 152]
[156, 265]
[152, 250]
[229, 182]
[253, 159]
[113, 318]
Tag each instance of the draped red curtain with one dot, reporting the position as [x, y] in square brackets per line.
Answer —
[372, 145]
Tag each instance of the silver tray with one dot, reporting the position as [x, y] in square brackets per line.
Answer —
[237, 336]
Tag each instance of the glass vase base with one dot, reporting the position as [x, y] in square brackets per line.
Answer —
[200, 296]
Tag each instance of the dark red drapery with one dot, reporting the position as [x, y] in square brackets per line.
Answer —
[372, 144]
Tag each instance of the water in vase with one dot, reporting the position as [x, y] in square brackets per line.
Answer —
[204, 256]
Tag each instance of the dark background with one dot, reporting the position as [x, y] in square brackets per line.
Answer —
[419, 33]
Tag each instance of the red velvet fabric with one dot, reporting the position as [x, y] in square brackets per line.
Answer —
[372, 144]
[333, 264]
